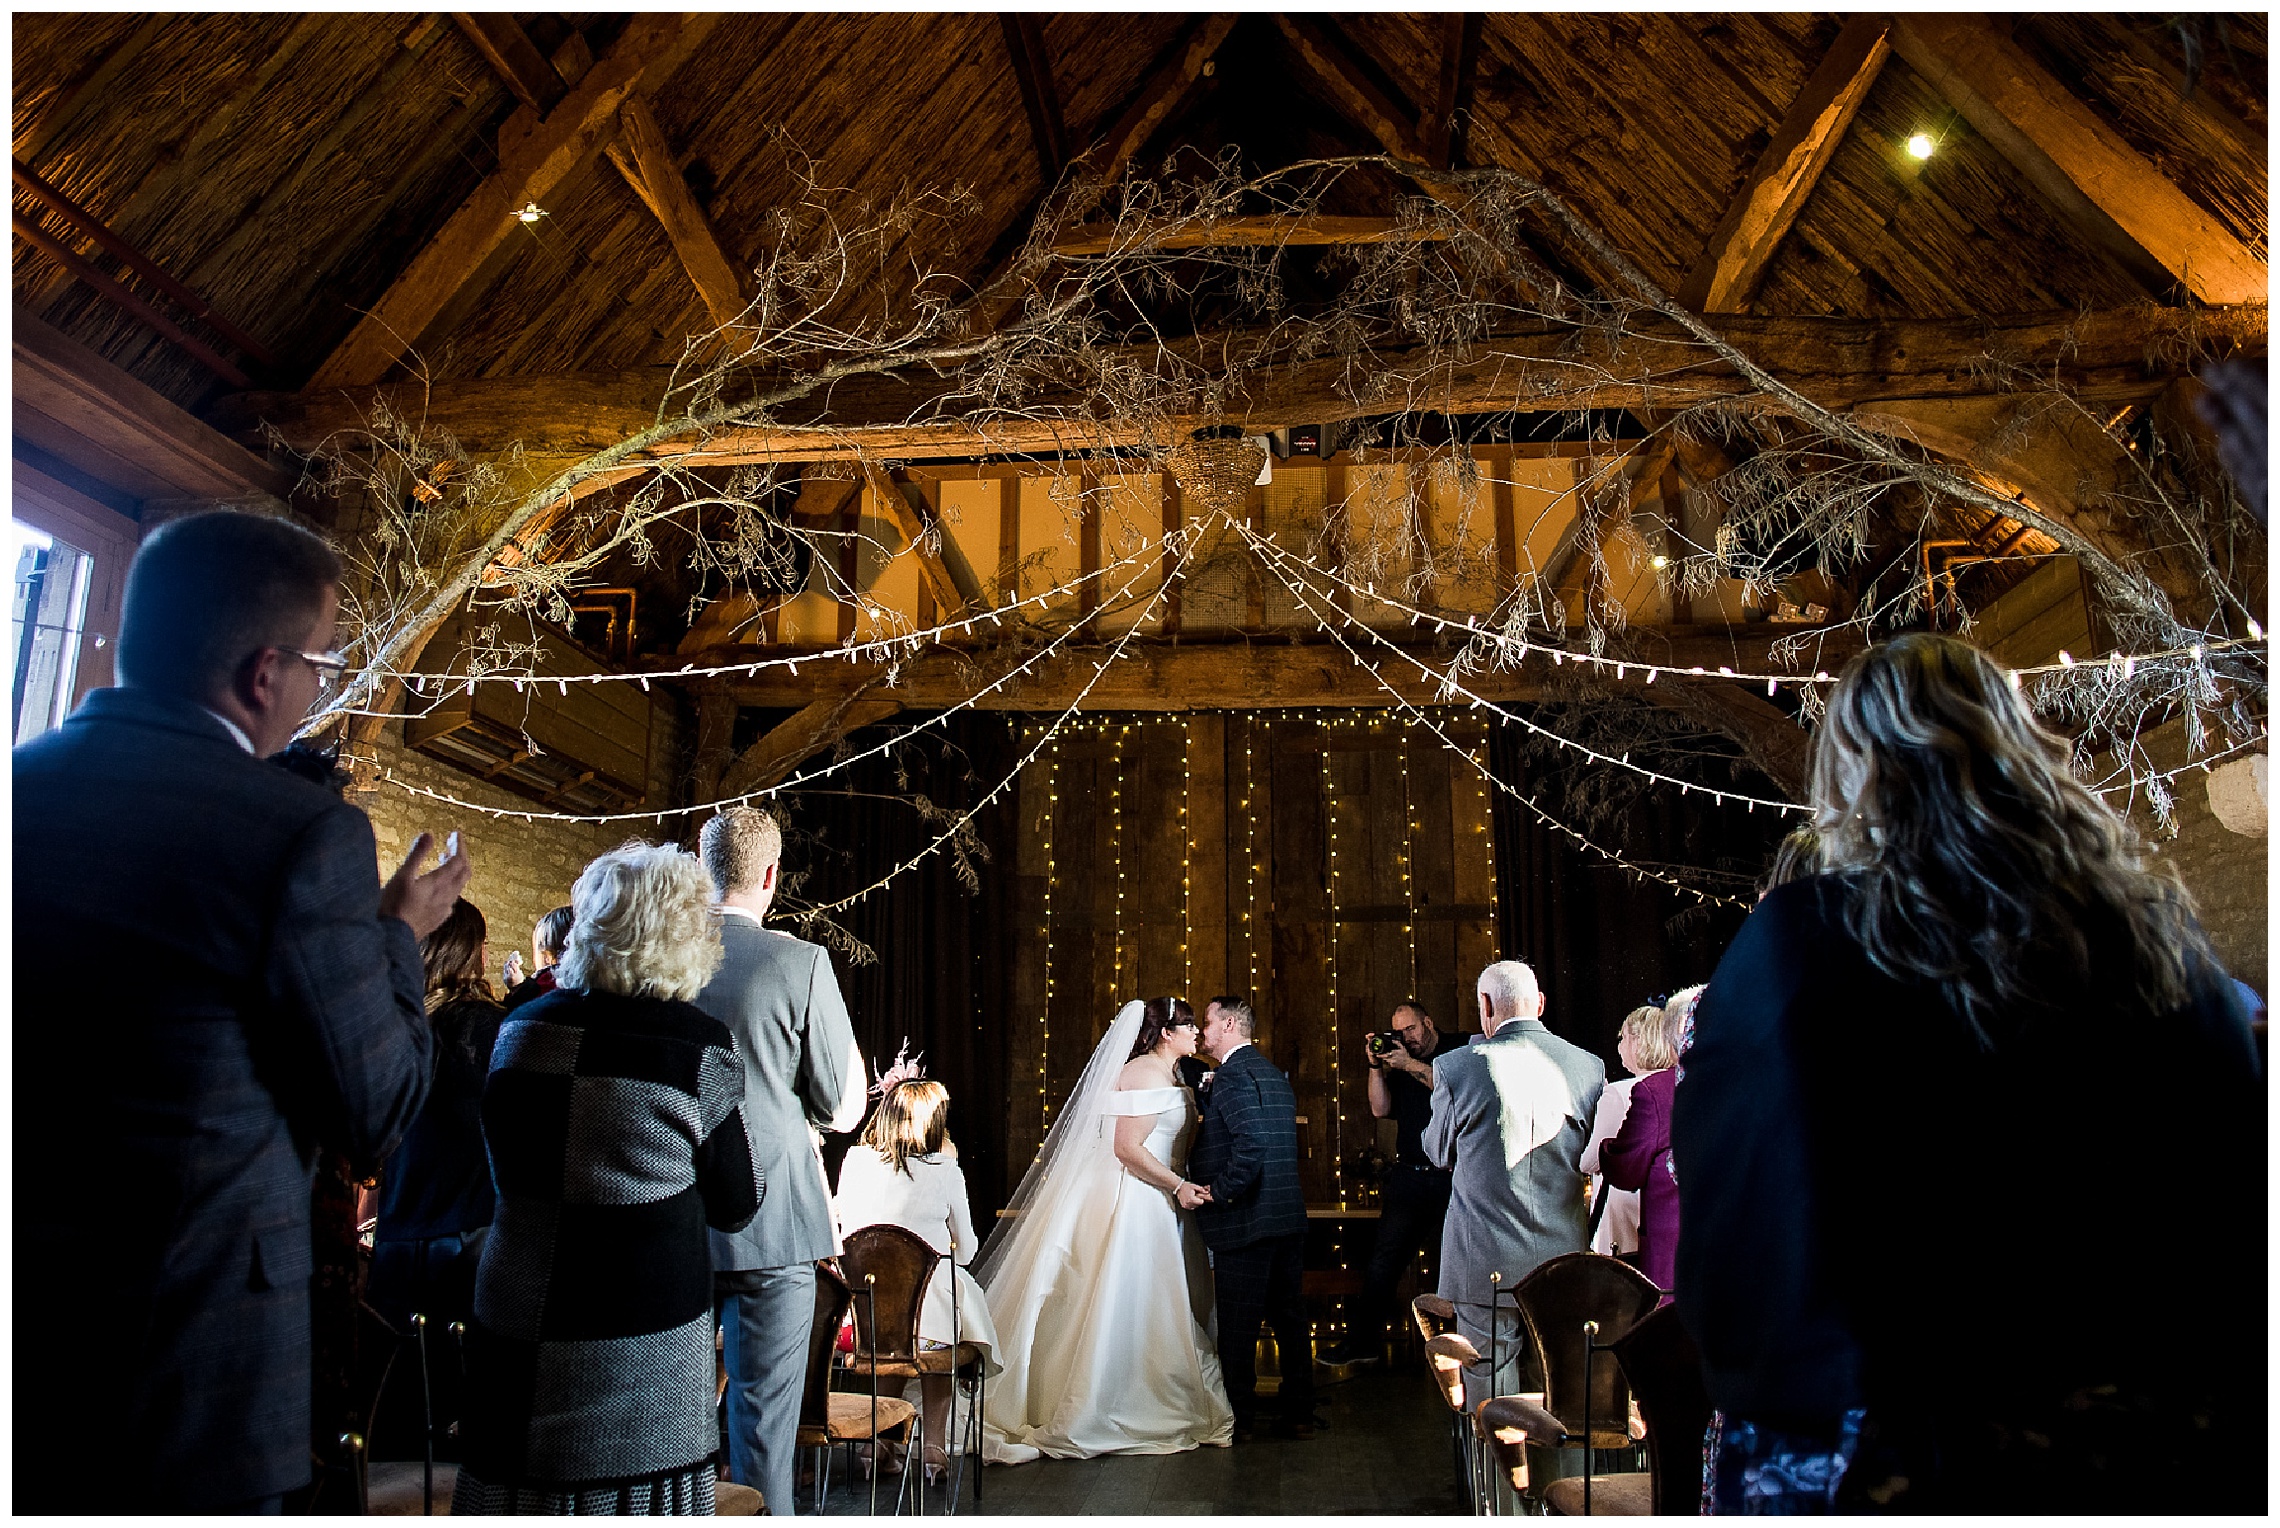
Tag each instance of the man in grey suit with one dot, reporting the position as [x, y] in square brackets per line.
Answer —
[1511, 1116]
[778, 996]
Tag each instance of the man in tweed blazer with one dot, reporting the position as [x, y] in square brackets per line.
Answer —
[778, 996]
[1511, 1116]
[1243, 1186]
[211, 980]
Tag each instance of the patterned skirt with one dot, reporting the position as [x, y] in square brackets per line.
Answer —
[674, 1493]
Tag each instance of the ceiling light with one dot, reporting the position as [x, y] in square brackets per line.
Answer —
[1920, 146]
[532, 212]
[1661, 561]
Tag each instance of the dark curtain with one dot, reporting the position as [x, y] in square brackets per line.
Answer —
[1601, 941]
[942, 969]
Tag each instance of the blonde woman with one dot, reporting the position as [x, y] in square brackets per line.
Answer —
[1616, 1229]
[905, 1173]
[1637, 1159]
[613, 1120]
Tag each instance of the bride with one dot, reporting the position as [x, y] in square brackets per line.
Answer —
[1097, 1282]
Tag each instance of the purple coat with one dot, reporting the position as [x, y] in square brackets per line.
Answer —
[1639, 1158]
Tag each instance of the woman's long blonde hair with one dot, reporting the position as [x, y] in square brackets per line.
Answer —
[913, 1120]
[1974, 861]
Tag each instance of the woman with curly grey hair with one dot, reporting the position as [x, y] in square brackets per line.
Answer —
[614, 1122]
[1928, 1139]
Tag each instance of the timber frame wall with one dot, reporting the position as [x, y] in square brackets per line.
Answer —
[1327, 865]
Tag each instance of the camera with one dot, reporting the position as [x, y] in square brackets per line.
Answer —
[1382, 1044]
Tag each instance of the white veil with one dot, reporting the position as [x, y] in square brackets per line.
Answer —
[1078, 1156]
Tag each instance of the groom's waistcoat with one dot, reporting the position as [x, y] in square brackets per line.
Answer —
[1246, 1153]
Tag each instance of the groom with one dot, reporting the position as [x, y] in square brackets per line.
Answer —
[1244, 1190]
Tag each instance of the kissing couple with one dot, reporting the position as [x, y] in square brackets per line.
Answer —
[1113, 1336]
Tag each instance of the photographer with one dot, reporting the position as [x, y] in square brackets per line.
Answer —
[1416, 1193]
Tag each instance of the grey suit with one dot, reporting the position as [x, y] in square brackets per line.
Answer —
[778, 996]
[1512, 1204]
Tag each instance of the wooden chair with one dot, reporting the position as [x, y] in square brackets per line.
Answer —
[1665, 1374]
[1447, 1356]
[898, 1264]
[1572, 1307]
[1505, 1426]
[1433, 1316]
[829, 1417]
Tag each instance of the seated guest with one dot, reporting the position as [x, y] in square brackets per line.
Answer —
[1638, 1158]
[905, 1172]
[209, 974]
[616, 1137]
[435, 1192]
[546, 941]
[1989, 977]
[1615, 1211]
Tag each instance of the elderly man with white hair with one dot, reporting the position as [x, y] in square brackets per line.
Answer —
[1511, 1117]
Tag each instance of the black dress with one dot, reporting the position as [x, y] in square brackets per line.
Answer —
[1985, 1241]
[435, 1192]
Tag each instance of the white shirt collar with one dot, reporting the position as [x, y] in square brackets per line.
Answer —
[236, 731]
[1231, 1050]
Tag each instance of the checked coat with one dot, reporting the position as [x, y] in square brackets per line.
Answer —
[616, 1138]
[205, 995]
[1246, 1153]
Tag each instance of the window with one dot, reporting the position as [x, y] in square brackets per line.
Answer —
[48, 610]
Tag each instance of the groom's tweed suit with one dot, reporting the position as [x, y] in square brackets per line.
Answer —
[1246, 1153]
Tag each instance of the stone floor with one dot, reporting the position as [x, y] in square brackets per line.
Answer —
[1386, 1452]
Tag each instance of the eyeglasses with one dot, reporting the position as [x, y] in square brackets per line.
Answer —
[330, 666]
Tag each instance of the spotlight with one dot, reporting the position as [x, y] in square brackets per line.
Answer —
[531, 212]
[1660, 561]
[1920, 146]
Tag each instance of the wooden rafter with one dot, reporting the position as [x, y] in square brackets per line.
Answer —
[1033, 70]
[1839, 362]
[536, 155]
[917, 529]
[1251, 233]
[513, 57]
[1159, 96]
[1460, 53]
[1731, 265]
[1387, 120]
[802, 735]
[2086, 170]
[645, 159]
[1238, 675]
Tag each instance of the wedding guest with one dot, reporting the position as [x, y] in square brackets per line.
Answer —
[1615, 1211]
[1510, 1119]
[1797, 856]
[616, 1138]
[779, 998]
[547, 937]
[435, 1192]
[1638, 1158]
[1990, 971]
[905, 1172]
[262, 1001]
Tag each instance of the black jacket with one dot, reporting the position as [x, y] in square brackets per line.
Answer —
[1246, 1153]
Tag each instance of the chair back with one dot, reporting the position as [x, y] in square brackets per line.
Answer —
[902, 1263]
[1447, 1356]
[831, 1301]
[1433, 1316]
[1555, 1301]
[1665, 1373]
[1507, 1424]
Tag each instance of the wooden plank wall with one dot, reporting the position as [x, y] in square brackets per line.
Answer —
[1328, 865]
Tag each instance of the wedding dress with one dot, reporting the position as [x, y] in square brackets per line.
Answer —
[1099, 1289]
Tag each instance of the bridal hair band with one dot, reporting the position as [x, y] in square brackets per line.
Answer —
[907, 1068]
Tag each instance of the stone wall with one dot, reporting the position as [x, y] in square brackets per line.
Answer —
[522, 869]
[2225, 871]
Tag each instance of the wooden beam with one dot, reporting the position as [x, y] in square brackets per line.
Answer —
[1731, 265]
[1193, 676]
[1387, 120]
[1460, 52]
[915, 524]
[813, 728]
[643, 157]
[1033, 70]
[513, 58]
[1248, 233]
[536, 155]
[2123, 355]
[2083, 167]
[1166, 87]
[721, 621]
[127, 299]
[1769, 736]
[130, 435]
